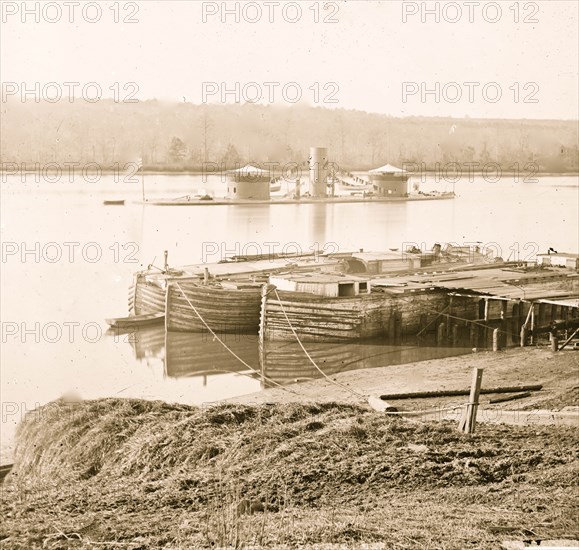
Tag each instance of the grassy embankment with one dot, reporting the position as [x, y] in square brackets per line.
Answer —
[133, 474]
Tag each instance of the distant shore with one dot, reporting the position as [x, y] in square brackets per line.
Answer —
[87, 168]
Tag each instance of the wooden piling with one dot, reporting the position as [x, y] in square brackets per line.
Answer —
[468, 420]
[455, 335]
[554, 342]
[474, 335]
[524, 328]
[523, 336]
[450, 321]
[496, 339]
[440, 334]
[532, 323]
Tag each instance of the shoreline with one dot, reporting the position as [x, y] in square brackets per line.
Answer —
[558, 372]
[515, 366]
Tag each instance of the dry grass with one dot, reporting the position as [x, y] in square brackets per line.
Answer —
[136, 474]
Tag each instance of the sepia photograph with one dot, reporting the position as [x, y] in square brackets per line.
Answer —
[289, 274]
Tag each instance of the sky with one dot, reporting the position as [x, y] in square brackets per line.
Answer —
[502, 59]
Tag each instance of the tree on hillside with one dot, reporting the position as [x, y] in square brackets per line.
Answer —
[206, 126]
[231, 157]
[177, 150]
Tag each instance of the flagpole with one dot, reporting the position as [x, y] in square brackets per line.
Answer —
[142, 180]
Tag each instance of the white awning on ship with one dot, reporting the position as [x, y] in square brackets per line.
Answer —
[249, 169]
[387, 169]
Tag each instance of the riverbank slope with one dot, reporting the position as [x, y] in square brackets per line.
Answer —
[135, 474]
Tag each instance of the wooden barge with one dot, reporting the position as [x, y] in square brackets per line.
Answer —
[224, 297]
[227, 295]
[471, 306]
[227, 307]
[315, 318]
[359, 296]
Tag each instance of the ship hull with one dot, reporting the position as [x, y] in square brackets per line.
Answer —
[193, 307]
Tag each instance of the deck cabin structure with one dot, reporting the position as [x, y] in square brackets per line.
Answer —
[389, 181]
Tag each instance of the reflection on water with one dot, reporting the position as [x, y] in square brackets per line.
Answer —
[201, 355]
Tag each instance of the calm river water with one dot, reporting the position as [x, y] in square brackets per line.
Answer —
[55, 295]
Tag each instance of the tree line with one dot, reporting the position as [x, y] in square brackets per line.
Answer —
[179, 137]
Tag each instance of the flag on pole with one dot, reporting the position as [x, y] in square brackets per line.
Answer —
[139, 169]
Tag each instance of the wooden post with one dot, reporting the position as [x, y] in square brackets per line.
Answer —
[168, 292]
[504, 326]
[205, 275]
[532, 322]
[496, 342]
[554, 342]
[524, 328]
[440, 335]
[474, 335]
[523, 336]
[468, 420]
[455, 335]
[450, 321]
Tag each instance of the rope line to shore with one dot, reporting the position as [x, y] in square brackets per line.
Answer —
[357, 394]
[228, 348]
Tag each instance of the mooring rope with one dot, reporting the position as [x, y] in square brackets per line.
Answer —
[227, 347]
[397, 413]
[354, 392]
[357, 394]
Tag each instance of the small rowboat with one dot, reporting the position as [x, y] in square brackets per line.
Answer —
[111, 202]
[136, 320]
